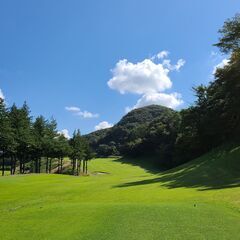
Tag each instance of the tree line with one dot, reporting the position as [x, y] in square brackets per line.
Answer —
[173, 137]
[177, 137]
[214, 119]
[34, 146]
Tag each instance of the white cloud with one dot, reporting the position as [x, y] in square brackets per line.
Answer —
[72, 109]
[222, 64]
[140, 78]
[1, 94]
[103, 125]
[65, 133]
[147, 78]
[180, 63]
[167, 63]
[160, 55]
[172, 100]
[213, 54]
[85, 114]
[143, 77]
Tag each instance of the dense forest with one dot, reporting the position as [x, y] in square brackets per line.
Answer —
[36, 146]
[172, 137]
[177, 137]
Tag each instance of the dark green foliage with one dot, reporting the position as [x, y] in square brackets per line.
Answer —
[150, 130]
[215, 117]
[171, 137]
[7, 143]
[104, 150]
[33, 146]
[230, 35]
[79, 151]
[174, 137]
[21, 125]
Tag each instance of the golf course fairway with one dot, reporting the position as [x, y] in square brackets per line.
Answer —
[121, 200]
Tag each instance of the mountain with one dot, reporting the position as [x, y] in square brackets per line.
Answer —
[151, 129]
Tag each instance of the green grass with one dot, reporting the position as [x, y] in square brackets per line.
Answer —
[199, 200]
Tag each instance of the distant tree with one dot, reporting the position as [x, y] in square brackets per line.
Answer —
[230, 35]
[105, 150]
[49, 143]
[77, 152]
[39, 132]
[62, 150]
[89, 154]
[7, 143]
[21, 123]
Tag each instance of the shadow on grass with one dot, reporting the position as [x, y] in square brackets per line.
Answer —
[211, 171]
[149, 164]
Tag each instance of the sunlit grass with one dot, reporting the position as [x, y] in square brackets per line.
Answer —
[199, 200]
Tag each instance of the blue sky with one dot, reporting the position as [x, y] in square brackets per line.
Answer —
[66, 58]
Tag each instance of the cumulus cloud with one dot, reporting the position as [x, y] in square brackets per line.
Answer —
[147, 78]
[65, 133]
[180, 63]
[1, 94]
[103, 125]
[172, 100]
[167, 63]
[140, 78]
[85, 114]
[160, 55]
[72, 109]
[222, 64]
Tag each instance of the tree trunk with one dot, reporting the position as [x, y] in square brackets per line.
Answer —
[86, 167]
[61, 164]
[50, 165]
[36, 165]
[23, 167]
[14, 166]
[47, 165]
[80, 166]
[73, 167]
[39, 165]
[20, 165]
[11, 171]
[23, 164]
[58, 165]
[3, 164]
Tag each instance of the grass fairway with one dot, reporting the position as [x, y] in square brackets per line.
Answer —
[199, 200]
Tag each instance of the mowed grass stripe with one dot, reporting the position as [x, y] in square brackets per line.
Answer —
[124, 201]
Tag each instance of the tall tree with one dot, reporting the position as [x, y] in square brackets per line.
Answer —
[6, 134]
[49, 143]
[77, 152]
[62, 150]
[230, 35]
[21, 124]
[39, 131]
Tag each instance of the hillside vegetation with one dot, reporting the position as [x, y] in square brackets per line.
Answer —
[169, 137]
[147, 131]
[120, 200]
[178, 137]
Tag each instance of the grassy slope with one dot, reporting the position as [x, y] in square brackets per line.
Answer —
[199, 200]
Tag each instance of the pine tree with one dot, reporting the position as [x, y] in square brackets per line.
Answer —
[6, 134]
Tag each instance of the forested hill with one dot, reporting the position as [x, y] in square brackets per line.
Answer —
[140, 132]
[177, 137]
[143, 115]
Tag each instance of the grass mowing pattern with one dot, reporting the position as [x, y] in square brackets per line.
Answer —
[199, 200]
